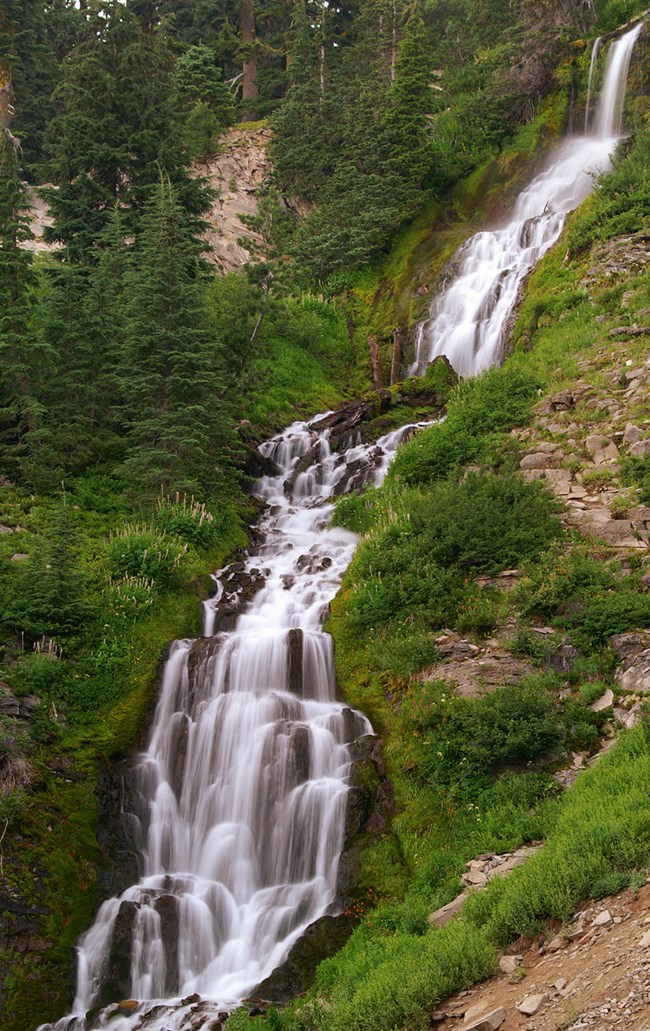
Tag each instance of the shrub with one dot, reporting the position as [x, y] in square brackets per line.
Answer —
[486, 523]
[498, 400]
[635, 472]
[36, 673]
[561, 577]
[470, 736]
[187, 519]
[142, 551]
[477, 614]
[609, 884]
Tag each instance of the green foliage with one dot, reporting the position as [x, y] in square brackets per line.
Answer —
[498, 400]
[424, 545]
[603, 824]
[485, 523]
[465, 737]
[141, 551]
[48, 590]
[204, 98]
[115, 131]
[190, 520]
[179, 423]
[609, 884]
[635, 472]
[392, 981]
[36, 673]
[580, 592]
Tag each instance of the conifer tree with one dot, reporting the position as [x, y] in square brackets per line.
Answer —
[23, 359]
[116, 125]
[406, 143]
[301, 152]
[179, 425]
[203, 98]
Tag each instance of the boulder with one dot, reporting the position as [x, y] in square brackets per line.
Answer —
[486, 1021]
[295, 661]
[640, 449]
[632, 434]
[604, 702]
[531, 1004]
[445, 914]
[537, 460]
[321, 939]
[603, 919]
[508, 964]
[602, 450]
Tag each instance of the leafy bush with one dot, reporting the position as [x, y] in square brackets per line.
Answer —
[561, 577]
[612, 614]
[486, 523]
[609, 884]
[498, 400]
[142, 551]
[635, 472]
[36, 673]
[477, 614]
[188, 519]
[468, 736]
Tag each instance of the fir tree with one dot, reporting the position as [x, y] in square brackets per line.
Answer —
[179, 424]
[301, 146]
[203, 98]
[406, 143]
[23, 359]
[116, 125]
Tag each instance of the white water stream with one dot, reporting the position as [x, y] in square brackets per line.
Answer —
[243, 786]
[245, 779]
[470, 317]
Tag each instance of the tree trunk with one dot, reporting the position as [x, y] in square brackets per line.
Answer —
[398, 344]
[249, 70]
[5, 93]
[393, 43]
[374, 359]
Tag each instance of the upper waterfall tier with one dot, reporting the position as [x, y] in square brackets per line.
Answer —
[470, 317]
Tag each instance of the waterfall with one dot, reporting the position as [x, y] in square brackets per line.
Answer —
[470, 316]
[243, 785]
[592, 68]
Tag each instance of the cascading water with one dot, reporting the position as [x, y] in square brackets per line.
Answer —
[243, 787]
[244, 782]
[595, 50]
[469, 318]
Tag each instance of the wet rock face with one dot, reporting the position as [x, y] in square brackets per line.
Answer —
[321, 939]
[240, 585]
[117, 982]
[167, 908]
[117, 830]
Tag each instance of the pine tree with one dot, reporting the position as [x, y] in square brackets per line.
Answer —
[179, 424]
[406, 141]
[203, 98]
[23, 359]
[116, 126]
[302, 155]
